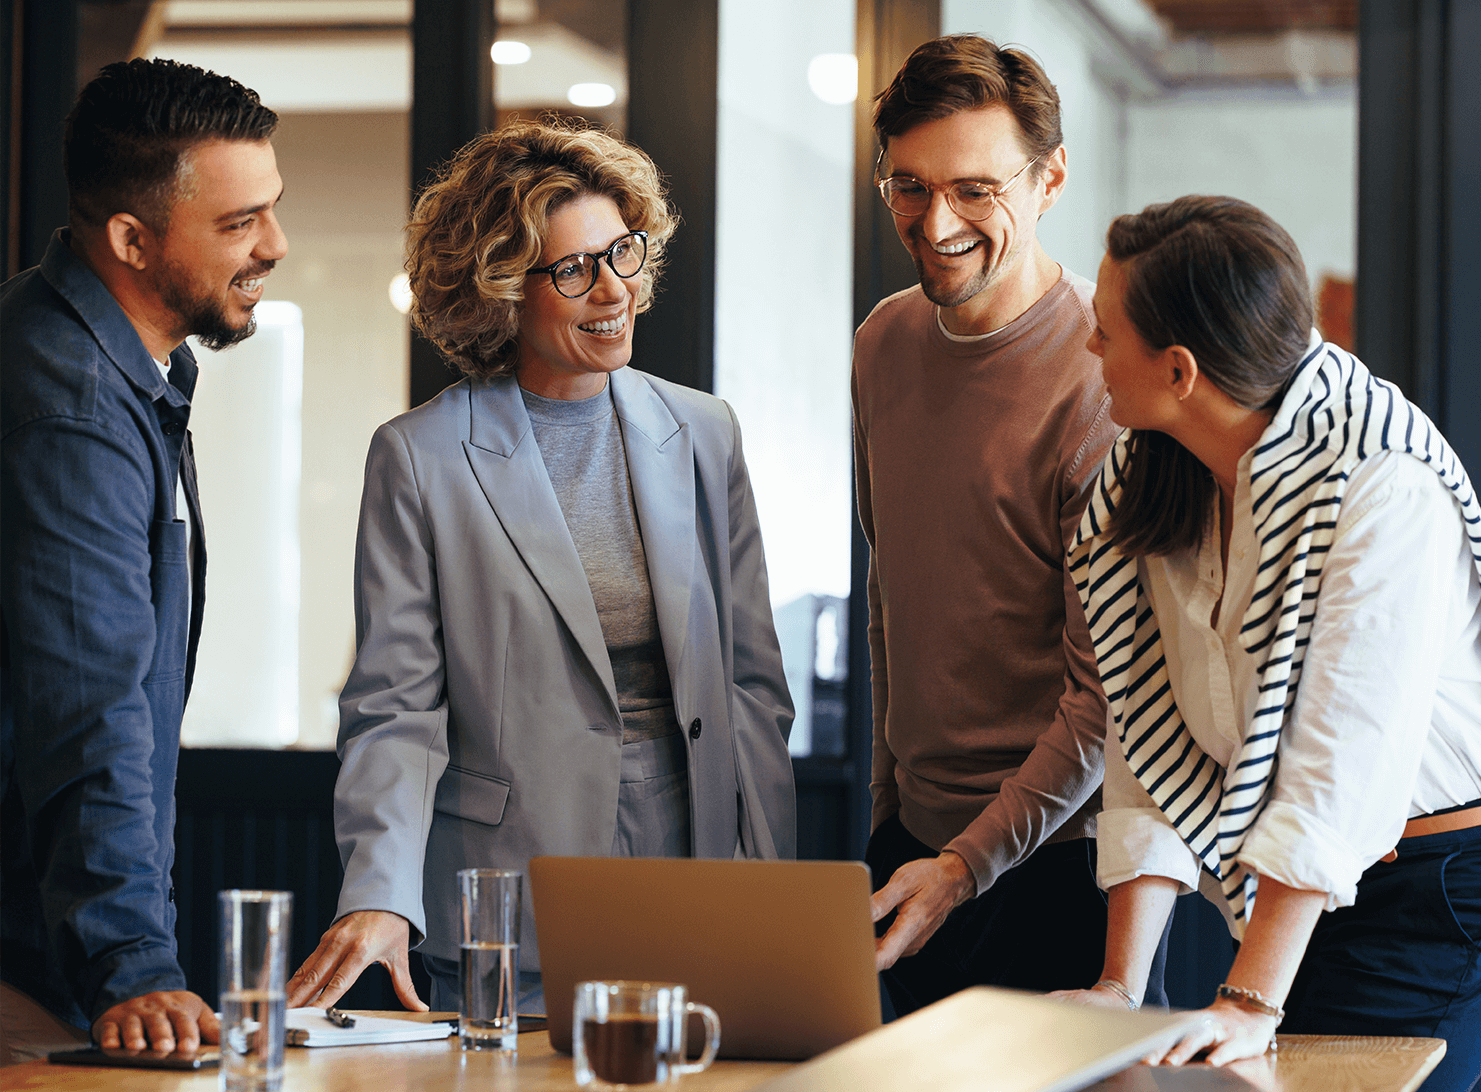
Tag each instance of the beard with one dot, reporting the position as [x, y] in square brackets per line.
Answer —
[952, 289]
[205, 316]
[944, 294]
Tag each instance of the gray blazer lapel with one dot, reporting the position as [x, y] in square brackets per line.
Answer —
[502, 452]
[660, 460]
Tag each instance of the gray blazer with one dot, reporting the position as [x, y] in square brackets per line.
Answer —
[479, 725]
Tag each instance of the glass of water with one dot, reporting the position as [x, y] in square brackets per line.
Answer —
[489, 1016]
[256, 929]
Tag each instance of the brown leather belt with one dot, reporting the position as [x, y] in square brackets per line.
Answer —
[1443, 823]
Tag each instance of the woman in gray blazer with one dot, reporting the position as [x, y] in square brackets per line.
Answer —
[565, 641]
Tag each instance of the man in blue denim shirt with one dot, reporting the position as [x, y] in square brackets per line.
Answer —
[172, 187]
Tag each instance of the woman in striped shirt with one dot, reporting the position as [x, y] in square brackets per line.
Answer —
[1280, 569]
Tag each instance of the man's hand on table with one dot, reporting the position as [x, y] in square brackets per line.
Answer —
[350, 945]
[922, 893]
[168, 1021]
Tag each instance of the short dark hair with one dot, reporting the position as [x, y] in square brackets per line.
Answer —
[1225, 281]
[133, 124]
[968, 72]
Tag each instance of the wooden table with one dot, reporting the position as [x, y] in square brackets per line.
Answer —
[437, 1065]
[1306, 1063]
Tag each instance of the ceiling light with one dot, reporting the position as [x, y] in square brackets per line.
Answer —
[400, 292]
[591, 94]
[834, 77]
[509, 51]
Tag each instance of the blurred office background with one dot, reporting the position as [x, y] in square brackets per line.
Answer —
[1341, 118]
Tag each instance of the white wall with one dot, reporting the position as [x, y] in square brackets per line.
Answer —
[244, 423]
[784, 258]
[1293, 155]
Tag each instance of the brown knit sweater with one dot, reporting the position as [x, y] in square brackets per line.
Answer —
[974, 462]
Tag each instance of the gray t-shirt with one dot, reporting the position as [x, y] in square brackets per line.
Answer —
[581, 444]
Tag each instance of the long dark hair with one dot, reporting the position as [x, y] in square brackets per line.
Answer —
[1222, 279]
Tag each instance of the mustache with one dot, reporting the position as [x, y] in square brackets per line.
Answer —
[255, 271]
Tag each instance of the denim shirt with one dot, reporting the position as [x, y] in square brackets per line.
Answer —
[98, 631]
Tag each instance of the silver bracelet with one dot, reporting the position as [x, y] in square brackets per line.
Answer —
[1120, 991]
[1252, 999]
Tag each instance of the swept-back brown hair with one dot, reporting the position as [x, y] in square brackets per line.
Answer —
[967, 72]
[1222, 279]
[480, 226]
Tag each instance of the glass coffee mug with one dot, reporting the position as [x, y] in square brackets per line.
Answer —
[631, 1034]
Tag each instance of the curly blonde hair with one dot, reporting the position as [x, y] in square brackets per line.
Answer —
[481, 225]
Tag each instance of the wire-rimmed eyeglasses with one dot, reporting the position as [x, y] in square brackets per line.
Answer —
[576, 274]
[973, 201]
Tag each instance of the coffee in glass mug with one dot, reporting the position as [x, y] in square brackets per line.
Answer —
[631, 1034]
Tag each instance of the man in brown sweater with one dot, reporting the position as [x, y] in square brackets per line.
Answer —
[980, 425]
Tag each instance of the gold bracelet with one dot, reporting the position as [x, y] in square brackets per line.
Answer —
[1252, 999]
[1121, 991]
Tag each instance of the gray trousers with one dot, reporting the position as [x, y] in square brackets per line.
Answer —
[653, 820]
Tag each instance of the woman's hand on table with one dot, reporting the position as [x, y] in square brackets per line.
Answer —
[1228, 1033]
[1098, 996]
[350, 945]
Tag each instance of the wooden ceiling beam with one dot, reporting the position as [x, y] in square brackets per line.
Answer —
[1222, 17]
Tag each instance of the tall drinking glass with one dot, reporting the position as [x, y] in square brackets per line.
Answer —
[489, 1016]
[256, 929]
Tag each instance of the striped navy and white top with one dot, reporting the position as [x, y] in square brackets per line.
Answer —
[1328, 668]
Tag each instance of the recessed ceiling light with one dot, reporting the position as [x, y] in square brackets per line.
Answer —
[400, 292]
[591, 94]
[834, 77]
[509, 51]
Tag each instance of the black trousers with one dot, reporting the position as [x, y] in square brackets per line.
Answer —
[1041, 926]
[1405, 958]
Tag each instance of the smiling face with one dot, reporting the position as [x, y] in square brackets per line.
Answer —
[963, 264]
[222, 239]
[1135, 374]
[567, 346]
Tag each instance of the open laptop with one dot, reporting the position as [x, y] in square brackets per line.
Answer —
[782, 950]
[991, 1038]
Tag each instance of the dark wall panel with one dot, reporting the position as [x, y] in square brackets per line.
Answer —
[261, 819]
[1460, 236]
[888, 31]
[673, 50]
[1419, 208]
[40, 50]
[452, 102]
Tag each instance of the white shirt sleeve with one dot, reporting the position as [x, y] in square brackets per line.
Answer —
[1386, 618]
[1133, 836]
